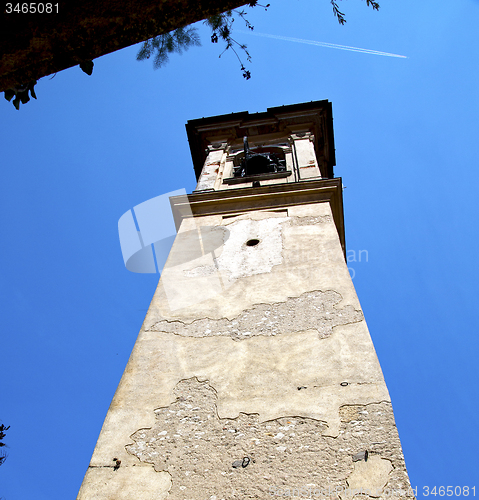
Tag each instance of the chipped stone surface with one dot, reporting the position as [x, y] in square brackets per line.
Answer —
[258, 375]
[311, 219]
[311, 311]
[198, 449]
[211, 168]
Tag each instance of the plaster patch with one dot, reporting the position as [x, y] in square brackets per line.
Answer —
[140, 482]
[310, 311]
[370, 476]
[240, 260]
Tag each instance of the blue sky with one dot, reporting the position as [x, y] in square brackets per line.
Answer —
[91, 148]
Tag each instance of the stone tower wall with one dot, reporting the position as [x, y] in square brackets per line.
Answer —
[254, 375]
[252, 355]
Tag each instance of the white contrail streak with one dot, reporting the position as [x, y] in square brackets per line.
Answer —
[325, 44]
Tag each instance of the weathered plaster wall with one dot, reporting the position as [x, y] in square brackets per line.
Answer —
[250, 351]
[272, 319]
[208, 456]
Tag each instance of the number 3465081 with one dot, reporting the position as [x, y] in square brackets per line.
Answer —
[31, 8]
[449, 491]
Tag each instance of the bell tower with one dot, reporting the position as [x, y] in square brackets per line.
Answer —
[254, 374]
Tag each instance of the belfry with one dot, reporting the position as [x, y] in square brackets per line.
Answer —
[254, 375]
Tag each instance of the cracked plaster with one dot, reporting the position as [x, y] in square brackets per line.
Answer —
[198, 449]
[258, 375]
[255, 380]
[299, 251]
[261, 373]
[310, 311]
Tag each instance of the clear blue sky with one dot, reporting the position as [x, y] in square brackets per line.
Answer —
[91, 148]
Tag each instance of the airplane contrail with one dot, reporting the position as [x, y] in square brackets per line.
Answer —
[325, 44]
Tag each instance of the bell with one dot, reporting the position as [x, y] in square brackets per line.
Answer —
[258, 163]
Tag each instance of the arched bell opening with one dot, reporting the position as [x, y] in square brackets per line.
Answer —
[259, 160]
